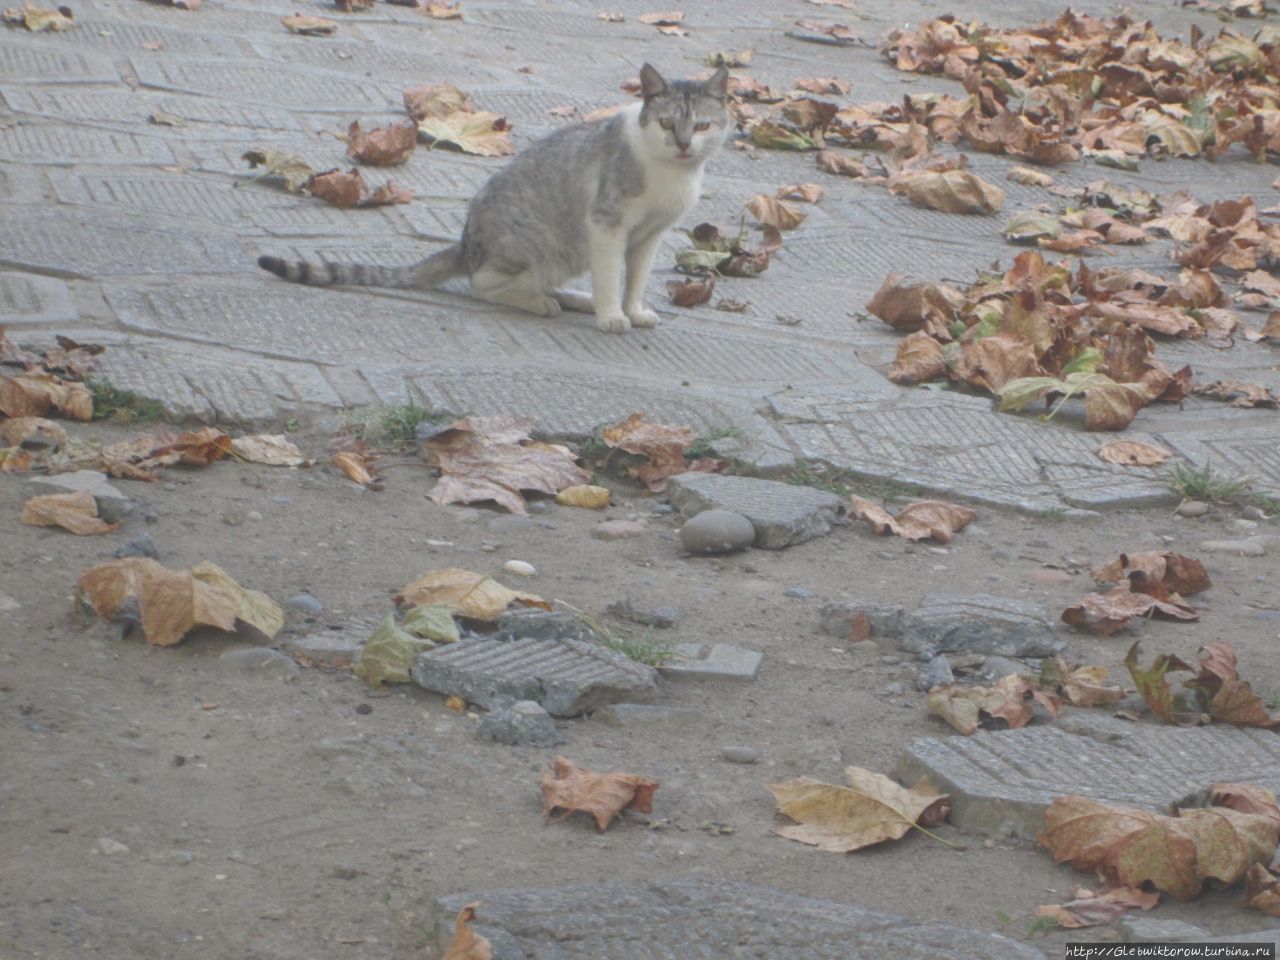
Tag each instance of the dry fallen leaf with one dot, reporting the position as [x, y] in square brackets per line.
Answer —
[272, 449]
[481, 133]
[349, 190]
[1238, 393]
[1105, 613]
[1079, 686]
[1262, 890]
[466, 594]
[1245, 797]
[34, 394]
[389, 653]
[1009, 699]
[951, 191]
[805, 192]
[294, 170]
[841, 164]
[382, 147]
[821, 85]
[668, 18]
[77, 512]
[1091, 909]
[602, 795]
[173, 602]
[466, 943]
[691, 291]
[909, 306]
[918, 360]
[871, 810]
[1029, 177]
[350, 455]
[32, 432]
[1161, 573]
[442, 10]
[36, 18]
[1133, 453]
[310, 26]
[436, 100]
[587, 496]
[918, 521]
[1131, 847]
[661, 445]
[494, 458]
[773, 212]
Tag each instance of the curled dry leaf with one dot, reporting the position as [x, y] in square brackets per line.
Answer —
[351, 457]
[77, 512]
[822, 85]
[727, 58]
[389, 653]
[37, 19]
[663, 448]
[773, 212]
[1131, 847]
[1009, 700]
[1223, 695]
[442, 10]
[14, 460]
[951, 191]
[586, 495]
[692, 291]
[817, 32]
[804, 192]
[383, 146]
[1103, 614]
[910, 306]
[602, 795]
[918, 521]
[292, 169]
[32, 432]
[919, 360]
[436, 100]
[494, 458]
[610, 16]
[173, 602]
[1161, 573]
[1155, 690]
[1029, 177]
[667, 18]
[34, 394]
[466, 594]
[273, 449]
[1133, 453]
[1091, 909]
[1262, 890]
[1079, 686]
[310, 26]
[349, 190]
[1238, 393]
[481, 133]
[466, 943]
[1245, 797]
[870, 810]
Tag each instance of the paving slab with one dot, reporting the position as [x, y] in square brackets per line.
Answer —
[1152, 930]
[679, 919]
[782, 514]
[60, 144]
[979, 623]
[712, 661]
[566, 676]
[1001, 782]
[35, 63]
[27, 299]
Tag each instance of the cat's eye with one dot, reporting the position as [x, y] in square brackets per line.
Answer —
[702, 126]
[667, 124]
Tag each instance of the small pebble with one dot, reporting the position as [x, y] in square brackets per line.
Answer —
[108, 846]
[139, 546]
[232, 519]
[1250, 512]
[619, 529]
[1251, 547]
[305, 604]
[538, 506]
[519, 568]
[364, 709]
[253, 515]
[488, 547]
[799, 593]
[1192, 508]
[740, 754]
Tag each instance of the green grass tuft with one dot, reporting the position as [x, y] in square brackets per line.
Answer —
[121, 405]
[1205, 483]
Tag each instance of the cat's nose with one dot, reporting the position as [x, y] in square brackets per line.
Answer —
[683, 144]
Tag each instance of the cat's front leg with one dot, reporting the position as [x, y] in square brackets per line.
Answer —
[639, 264]
[608, 248]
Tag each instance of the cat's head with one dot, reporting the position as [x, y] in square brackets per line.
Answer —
[683, 121]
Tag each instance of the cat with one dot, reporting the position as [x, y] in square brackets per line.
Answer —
[594, 197]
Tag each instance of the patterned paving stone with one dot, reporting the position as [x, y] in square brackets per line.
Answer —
[181, 197]
[27, 300]
[1251, 450]
[952, 444]
[90, 244]
[128, 36]
[30, 63]
[256, 82]
[204, 117]
[1001, 782]
[781, 513]
[678, 919]
[66, 145]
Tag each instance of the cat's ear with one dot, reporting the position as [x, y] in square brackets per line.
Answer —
[651, 82]
[718, 85]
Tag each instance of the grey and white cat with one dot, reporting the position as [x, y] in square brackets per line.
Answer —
[594, 197]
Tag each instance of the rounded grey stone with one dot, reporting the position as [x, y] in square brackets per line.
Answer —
[1192, 508]
[1251, 547]
[717, 531]
[1250, 512]
[304, 603]
[799, 593]
[740, 754]
[935, 673]
[259, 660]
[139, 546]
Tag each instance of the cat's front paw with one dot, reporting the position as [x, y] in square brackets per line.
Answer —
[642, 317]
[613, 322]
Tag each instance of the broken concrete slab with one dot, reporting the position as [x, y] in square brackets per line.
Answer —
[719, 661]
[980, 623]
[1151, 930]
[113, 505]
[566, 676]
[330, 650]
[531, 623]
[523, 723]
[859, 620]
[1001, 782]
[627, 609]
[781, 513]
[697, 918]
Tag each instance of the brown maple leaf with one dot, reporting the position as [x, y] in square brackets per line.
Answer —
[383, 146]
[1105, 613]
[466, 943]
[575, 789]
[918, 521]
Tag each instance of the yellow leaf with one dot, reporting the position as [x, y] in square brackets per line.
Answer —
[466, 594]
[951, 191]
[584, 495]
[77, 512]
[773, 212]
[481, 133]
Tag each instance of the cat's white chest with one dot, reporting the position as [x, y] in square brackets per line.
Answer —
[668, 193]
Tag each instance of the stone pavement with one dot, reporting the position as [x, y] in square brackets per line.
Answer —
[698, 918]
[144, 237]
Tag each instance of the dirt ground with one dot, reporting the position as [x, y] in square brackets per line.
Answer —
[267, 817]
